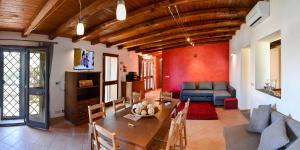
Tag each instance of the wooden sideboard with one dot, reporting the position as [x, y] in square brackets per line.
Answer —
[78, 98]
[134, 86]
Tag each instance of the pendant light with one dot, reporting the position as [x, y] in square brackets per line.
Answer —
[80, 26]
[121, 10]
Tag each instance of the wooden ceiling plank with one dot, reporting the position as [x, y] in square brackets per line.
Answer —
[179, 40]
[85, 13]
[176, 29]
[182, 46]
[38, 18]
[137, 13]
[222, 13]
[183, 35]
[185, 43]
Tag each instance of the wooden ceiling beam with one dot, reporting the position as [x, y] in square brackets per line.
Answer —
[181, 46]
[183, 35]
[176, 29]
[85, 13]
[168, 21]
[179, 40]
[135, 14]
[39, 17]
[185, 43]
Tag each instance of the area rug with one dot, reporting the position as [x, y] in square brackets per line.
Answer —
[200, 111]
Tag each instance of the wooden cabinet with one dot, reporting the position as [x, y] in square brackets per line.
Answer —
[129, 87]
[77, 99]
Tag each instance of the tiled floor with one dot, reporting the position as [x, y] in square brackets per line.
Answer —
[201, 134]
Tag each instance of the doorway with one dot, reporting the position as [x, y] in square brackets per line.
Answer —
[245, 78]
[110, 78]
[148, 74]
[24, 86]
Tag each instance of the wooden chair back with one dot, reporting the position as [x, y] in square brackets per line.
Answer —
[105, 140]
[119, 104]
[166, 95]
[136, 97]
[96, 112]
[184, 116]
[175, 132]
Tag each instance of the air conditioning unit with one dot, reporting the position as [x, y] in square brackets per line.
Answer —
[258, 14]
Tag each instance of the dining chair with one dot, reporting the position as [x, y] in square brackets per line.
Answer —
[175, 133]
[185, 113]
[136, 97]
[173, 136]
[95, 112]
[119, 104]
[105, 140]
[166, 95]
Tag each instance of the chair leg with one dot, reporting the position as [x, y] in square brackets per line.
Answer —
[91, 142]
[184, 134]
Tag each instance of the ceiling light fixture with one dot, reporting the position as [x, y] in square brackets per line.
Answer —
[80, 26]
[121, 10]
[188, 39]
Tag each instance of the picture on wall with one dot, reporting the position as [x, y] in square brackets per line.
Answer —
[83, 59]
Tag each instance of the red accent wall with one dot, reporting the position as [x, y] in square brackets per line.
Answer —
[209, 62]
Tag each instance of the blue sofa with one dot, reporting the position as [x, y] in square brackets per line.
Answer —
[207, 91]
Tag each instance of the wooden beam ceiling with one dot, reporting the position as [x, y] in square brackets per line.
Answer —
[179, 40]
[180, 35]
[177, 30]
[135, 14]
[39, 17]
[85, 13]
[167, 21]
[180, 46]
[185, 43]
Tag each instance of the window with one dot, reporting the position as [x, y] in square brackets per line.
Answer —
[268, 65]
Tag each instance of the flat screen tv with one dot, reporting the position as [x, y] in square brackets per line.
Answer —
[83, 59]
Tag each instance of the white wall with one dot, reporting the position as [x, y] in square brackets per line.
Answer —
[63, 61]
[284, 17]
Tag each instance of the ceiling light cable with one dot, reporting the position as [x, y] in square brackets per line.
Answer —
[180, 24]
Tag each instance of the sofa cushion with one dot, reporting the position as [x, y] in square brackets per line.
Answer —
[188, 86]
[277, 115]
[221, 94]
[205, 85]
[259, 120]
[238, 138]
[294, 146]
[197, 93]
[274, 136]
[294, 127]
[220, 86]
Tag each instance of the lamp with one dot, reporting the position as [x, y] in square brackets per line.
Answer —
[121, 10]
[80, 26]
[188, 39]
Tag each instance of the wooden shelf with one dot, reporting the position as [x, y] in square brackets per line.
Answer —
[96, 86]
[77, 99]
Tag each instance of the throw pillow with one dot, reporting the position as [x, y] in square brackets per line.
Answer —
[188, 86]
[259, 120]
[295, 145]
[274, 136]
[220, 86]
[205, 85]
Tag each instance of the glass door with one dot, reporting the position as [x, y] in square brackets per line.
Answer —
[148, 74]
[110, 77]
[37, 104]
[12, 84]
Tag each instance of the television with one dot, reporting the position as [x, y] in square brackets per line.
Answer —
[83, 59]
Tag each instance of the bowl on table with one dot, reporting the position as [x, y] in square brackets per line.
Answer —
[144, 109]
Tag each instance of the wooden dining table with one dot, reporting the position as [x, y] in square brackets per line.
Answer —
[137, 135]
